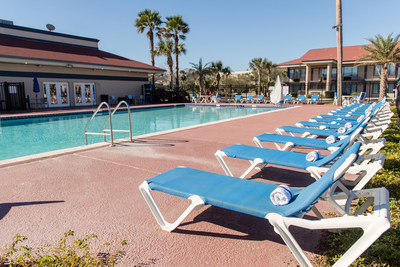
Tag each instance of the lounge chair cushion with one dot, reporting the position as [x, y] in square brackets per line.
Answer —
[297, 141]
[278, 157]
[247, 196]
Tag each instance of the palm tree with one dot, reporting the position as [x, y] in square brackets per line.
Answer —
[201, 70]
[269, 66]
[383, 51]
[151, 21]
[182, 76]
[217, 68]
[258, 65]
[177, 28]
[165, 48]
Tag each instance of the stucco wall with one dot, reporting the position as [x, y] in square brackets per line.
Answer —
[117, 85]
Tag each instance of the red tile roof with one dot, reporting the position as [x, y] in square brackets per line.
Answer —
[32, 49]
[350, 53]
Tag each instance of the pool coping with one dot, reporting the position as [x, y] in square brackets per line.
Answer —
[66, 151]
[55, 113]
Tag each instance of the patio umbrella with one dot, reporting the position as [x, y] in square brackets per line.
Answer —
[36, 89]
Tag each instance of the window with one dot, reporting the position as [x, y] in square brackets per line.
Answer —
[391, 69]
[84, 94]
[333, 72]
[390, 87]
[348, 89]
[375, 88]
[296, 87]
[297, 74]
[377, 70]
[350, 71]
[322, 73]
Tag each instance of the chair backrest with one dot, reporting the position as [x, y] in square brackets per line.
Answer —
[238, 97]
[362, 96]
[288, 97]
[327, 159]
[315, 97]
[194, 95]
[311, 193]
[302, 97]
[250, 97]
[260, 97]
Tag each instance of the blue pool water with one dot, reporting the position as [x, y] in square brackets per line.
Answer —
[36, 135]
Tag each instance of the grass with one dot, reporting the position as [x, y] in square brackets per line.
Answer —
[386, 250]
[67, 252]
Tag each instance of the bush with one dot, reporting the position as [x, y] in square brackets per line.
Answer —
[308, 96]
[67, 252]
[384, 251]
[162, 95]
[329, 94]
[355, 93]
[294, 94]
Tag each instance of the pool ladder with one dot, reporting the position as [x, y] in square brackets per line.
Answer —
[109, 132]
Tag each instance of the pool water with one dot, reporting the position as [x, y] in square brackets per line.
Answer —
[24, 137]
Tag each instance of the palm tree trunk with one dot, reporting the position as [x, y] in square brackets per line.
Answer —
[171, 76]
[171, 70]
[176, 61]
[152, 56]
[383, 82]
[259, 81]
[217, 85]
[201, 85]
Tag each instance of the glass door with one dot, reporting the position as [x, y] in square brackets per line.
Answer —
[84, 94]
[57, 94]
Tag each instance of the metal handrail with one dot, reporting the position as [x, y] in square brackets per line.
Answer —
[129, 118]
[109, 118]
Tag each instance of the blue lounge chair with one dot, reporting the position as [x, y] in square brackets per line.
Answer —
[300, 99]
[260, 157]
[314, 98]
[194, 98]
[248, 99]
[259, 99]
[238, 98]
[292, 141]
[288, 98]
[252, 198]
[360, 98]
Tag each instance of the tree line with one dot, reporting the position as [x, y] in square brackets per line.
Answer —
[209, 75]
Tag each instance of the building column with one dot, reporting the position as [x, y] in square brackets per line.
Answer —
[308, 78]
[328, 77]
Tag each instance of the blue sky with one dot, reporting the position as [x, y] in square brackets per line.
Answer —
[231, 31]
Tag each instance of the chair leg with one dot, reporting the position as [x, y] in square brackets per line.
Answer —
[257, 142]
[373, 225]
[197, 203]
[220, 157]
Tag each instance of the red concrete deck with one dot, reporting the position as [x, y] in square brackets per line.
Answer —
[96, 191]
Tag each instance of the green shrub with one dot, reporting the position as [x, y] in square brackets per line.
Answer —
[329, 94]
[67, 252]
[294, 94]
[308, 96]
[385, 251]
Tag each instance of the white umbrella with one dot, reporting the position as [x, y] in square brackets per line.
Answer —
[277, 92]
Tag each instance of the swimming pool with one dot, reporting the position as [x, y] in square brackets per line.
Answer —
[30, 136]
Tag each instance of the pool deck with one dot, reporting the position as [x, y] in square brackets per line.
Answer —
[96, 191]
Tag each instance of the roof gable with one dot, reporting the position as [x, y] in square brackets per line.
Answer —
[14, 47]
[350, 53]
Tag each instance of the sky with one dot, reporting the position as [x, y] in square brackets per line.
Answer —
[232, 31]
